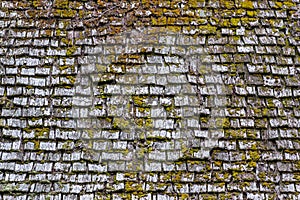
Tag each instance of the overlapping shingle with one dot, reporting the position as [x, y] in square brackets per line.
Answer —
[246, 106]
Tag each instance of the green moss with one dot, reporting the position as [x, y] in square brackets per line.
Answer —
[139, 122]
[265, 112]
[261, 123]
[90, 133]
[257, 111]
[208, 196]
[236, 38]
[143, 109]
[270, 102]
[240, 133]
[203, 119]
[135, 188]
[174, 29]
[297, 176]
[194, 3]
[267, 185]
[240, 11]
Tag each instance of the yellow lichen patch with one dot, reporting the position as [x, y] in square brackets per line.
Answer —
[241, 133]
[132, 186]
[37, 3]
[262, 176]
[240, 11]
[139, 122]
[222, 122]
[247, 20]
[278, 4]
[101, 3]
[71, 79]
[247, 4]
[254, 155]
[61, 3]
[63, 67]
[194, 3]
[289, 4]
[71, 50]
[227, 4]
[208, 196]
[208, 29]
[36, 144]
[66, 41]
[65, 13]
[139, 100]
[251, 13]
[235, 21]
[159, 21]
[120, 122]
[39, 132]
[184, 196]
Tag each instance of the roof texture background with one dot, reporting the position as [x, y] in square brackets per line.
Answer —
[253, 46]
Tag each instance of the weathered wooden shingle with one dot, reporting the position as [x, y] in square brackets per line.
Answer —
[149, 99]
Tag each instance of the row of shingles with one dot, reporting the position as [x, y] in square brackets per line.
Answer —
[179, 182]
[129, 183]
[115, 184]
[81, 167]
[13, 92]
[72, 40]
[15, 83]
[181, 187]
[284, 121]
[34, 80]
[254, 83]
[92, 31]
[129, 186]
[217, 175]
[223, 47]
[129, 189]
[41, 167]
[96, 29]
